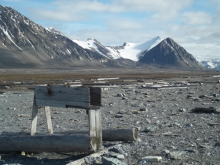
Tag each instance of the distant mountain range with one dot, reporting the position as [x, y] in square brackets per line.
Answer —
[212, 64]
[24, 43]
[132, 51]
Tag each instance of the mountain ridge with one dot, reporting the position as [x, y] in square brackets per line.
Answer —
[169, 53]
[27, 44]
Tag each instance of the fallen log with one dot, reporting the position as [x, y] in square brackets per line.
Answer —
[107, 135]
[48, 143]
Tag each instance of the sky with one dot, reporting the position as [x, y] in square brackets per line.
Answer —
[193, 24]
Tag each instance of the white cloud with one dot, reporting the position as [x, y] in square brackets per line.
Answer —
[80, 9]
[122, 24]
[196, 18]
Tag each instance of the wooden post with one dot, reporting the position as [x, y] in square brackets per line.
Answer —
[34, 118]
[48, 117]
[95, 126]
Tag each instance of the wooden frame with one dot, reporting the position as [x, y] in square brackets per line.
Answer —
[88, 98]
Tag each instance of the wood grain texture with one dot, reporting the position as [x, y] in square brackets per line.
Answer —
[131, 134]
[62, 96]
[48, 117]
[34, 118]
[48, 143]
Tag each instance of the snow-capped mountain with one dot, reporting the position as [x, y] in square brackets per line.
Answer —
[169, 53]
[212, 64]
[132, 51]
[24, 43]
[94, 45]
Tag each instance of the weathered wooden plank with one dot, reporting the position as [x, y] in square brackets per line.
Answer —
[62, 89]
[62, 97]
[49, 122]
[63, 104]
[34, 118]
[48, 143]
[98, 127]
[131, 134]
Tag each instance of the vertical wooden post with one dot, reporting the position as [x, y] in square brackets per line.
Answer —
[34, 118]
[95, 126]
[48, 117]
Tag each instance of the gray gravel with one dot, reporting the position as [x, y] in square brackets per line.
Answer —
[168, 128]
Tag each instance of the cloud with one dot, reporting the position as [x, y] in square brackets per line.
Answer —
[113, 22]
[81, 9]
[123, 24]
[196, 18]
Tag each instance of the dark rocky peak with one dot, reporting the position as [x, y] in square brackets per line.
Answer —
[125, 44]
[169, 53]
[26, 42]
[94, 40]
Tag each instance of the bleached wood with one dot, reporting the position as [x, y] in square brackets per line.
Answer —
[131, 134]
[48, 143]
[48, 117]
[92, 124]
[98, 127]
[62, 96]
[95, 127]
[34, 118]
[62, 89]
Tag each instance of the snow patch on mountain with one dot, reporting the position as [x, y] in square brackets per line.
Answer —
[212, 64]
[9, 37]
[133, 50]
[130, 51]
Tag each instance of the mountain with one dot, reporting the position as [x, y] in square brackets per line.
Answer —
[212, 64]
[24, 43]
[169, 53]
[94, 45]
[132, 51]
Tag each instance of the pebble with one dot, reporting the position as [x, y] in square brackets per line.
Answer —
[150, 128]
[151, 159]
[176, 155]
[112, 161]
[189, 125]
[117, 155]
[143, 109]
[182, 110]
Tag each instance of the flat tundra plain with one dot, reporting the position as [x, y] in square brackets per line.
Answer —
[178, 118]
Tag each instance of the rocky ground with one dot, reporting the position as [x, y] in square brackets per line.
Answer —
[169, 129]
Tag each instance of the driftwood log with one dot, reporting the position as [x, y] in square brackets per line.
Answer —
[48, 143]
[107, 134]
[112, 134]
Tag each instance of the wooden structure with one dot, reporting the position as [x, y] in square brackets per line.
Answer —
[88, 98]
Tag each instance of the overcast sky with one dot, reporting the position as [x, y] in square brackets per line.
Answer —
[194, 24]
